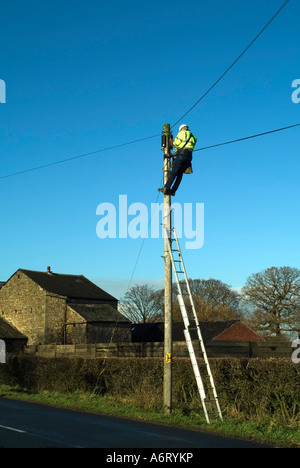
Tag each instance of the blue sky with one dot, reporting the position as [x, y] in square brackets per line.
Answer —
[96, 74]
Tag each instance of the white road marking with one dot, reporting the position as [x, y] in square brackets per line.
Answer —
[12, 429]
[49, 439]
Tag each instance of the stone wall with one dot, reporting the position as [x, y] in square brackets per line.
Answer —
[30, 309]
[75, 328]
[25, 315]
[214, 350]
[55, 315]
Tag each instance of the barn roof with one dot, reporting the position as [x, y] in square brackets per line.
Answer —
[70, 286]
[7, 332]
[98, 313]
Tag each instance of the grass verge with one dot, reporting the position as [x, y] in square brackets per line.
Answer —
[266, 431]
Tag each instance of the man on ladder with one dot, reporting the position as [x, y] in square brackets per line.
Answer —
[184, 144]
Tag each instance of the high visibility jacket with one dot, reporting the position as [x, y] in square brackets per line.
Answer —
[182, 138]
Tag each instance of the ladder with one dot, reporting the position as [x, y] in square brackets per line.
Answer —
[204, 380]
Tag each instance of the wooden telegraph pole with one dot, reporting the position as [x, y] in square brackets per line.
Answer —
[168, 279]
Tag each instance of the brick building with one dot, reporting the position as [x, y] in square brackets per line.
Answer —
[230, 330]
[51, 308]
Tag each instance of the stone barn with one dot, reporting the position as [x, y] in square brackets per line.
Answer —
[52, 308]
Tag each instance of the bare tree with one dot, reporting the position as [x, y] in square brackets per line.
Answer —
[275, 297]
[140, 304]
[213, 300]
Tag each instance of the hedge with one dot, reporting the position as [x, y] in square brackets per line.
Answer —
[247, 388]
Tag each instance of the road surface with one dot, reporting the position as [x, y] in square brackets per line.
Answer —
[29, 425]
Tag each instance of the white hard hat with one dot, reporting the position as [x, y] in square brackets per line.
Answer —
[182, 126]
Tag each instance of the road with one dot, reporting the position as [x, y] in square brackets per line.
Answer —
[29, 425]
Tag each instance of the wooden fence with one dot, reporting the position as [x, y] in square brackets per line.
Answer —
[214, 349]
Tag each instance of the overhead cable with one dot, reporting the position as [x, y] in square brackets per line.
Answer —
[233, 64]
[76, 157]
[136, 141]
[154, 136]
[247, 138]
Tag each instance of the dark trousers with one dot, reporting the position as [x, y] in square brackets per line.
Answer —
[181, 164]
